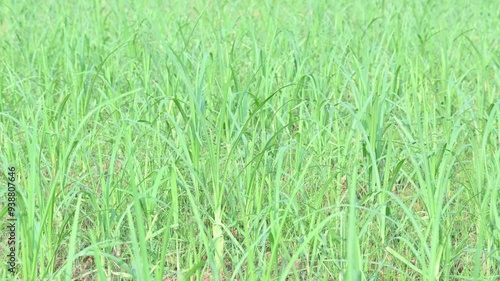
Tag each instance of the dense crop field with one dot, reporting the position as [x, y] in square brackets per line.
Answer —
[251, 140]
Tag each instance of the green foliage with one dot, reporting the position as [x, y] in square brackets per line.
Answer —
[252, 140]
